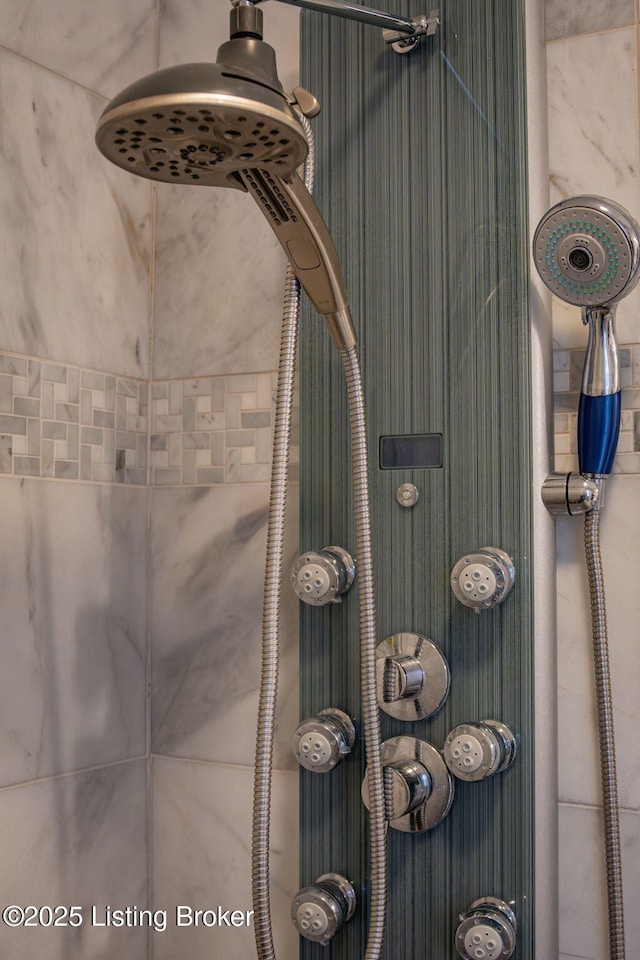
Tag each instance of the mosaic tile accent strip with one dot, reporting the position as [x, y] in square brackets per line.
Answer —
[567, 377]
[213, 430]
[60, 421]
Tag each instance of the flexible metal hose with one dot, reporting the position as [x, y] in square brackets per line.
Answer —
[368, 641]
[271, 623]
[271, 600]
[604, 701]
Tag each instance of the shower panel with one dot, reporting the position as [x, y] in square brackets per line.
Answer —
[423, 163]
[422, 180]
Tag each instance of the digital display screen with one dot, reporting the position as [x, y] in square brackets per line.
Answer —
[416, 451]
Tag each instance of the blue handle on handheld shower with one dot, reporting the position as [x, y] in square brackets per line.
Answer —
[598, 428]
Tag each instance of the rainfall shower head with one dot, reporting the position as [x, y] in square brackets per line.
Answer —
[200, 123]
[587, 251]
[230, 124]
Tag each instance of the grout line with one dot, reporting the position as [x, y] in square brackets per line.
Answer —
[591, 33]
[244, 484]
[73, 363]
[148, 761]
[151, 336]
[569, 804]
[158, 31]
[216, 763]
[152, 293]
[54, 73]
[637, 82]
[214, 376]
[149, 765]
[71, 773]
[21, 477]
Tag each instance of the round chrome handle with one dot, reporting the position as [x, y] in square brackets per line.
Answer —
[319, 911]
[323, 577]
[418, 787]
[412, 676]
[407, 785]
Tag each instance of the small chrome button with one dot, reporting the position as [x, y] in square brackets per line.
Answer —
[407, 495]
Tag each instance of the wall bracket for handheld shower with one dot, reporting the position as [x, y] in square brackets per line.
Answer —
[401, 34]
[571, 494]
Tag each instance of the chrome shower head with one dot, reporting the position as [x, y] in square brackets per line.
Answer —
[230, 124]
[587, 251]
[200, 123]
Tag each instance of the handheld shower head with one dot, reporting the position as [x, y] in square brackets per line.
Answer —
[229, 124]
[587, 252]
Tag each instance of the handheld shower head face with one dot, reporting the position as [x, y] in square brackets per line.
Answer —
[201, 123]
[587, 251]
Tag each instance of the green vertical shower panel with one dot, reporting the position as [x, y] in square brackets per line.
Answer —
[422, 180]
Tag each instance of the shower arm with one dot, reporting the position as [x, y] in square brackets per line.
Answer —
[401, 33]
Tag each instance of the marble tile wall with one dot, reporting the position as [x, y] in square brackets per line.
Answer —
[593, 145]
[201, 835]
[102, 47]
[73, 662]
[593, 135]
[77, 241]
[74, 231]
[220, 268]
[569, 18]
[217, 315]
[75, 236]
[207, 562]
[79, 841]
